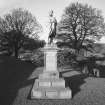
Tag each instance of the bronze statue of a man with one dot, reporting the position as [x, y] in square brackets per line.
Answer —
[53, 25]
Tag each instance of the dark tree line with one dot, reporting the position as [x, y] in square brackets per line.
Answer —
[80, 26]
[15, 30]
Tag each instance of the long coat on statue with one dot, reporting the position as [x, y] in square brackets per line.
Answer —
[52, 30]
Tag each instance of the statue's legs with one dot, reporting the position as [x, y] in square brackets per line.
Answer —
[50, 40]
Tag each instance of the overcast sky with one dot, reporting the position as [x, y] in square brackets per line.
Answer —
[40, 8]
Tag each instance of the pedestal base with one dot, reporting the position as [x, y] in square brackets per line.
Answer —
[51, 93]
[50, 88]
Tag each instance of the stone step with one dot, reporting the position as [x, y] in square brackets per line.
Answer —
[51, 93]
[51, 79]
[49, 83]
[47, 75]
[50, 88]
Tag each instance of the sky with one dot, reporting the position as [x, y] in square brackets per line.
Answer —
[40, 9]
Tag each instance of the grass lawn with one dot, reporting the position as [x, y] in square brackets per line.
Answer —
[17, 78]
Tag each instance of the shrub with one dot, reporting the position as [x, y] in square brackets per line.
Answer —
[38, 58]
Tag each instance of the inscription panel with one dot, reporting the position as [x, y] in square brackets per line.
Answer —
[66, 94]
[45, 84]
[58, 84]
[37, 94]
[51, 61]
[51, 94]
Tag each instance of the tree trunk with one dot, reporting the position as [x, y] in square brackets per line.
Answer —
[16, 52]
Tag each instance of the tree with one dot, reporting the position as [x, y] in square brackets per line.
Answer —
[15, 27]
[79, 24]
[31, 44]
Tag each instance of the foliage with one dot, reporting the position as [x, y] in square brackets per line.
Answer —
[31, 44]
[65, 57]
[38, 57]
[79, 24]
[15, 28]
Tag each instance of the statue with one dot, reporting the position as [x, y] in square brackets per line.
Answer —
[52, 30]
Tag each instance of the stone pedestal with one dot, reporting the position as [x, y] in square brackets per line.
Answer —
[49, 85]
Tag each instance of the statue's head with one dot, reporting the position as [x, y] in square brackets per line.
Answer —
[51, 13]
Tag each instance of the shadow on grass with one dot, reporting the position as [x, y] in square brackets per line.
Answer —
[29, 95]
[13, 76]
[74, 82]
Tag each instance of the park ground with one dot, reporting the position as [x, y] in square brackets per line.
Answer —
[17, 78]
